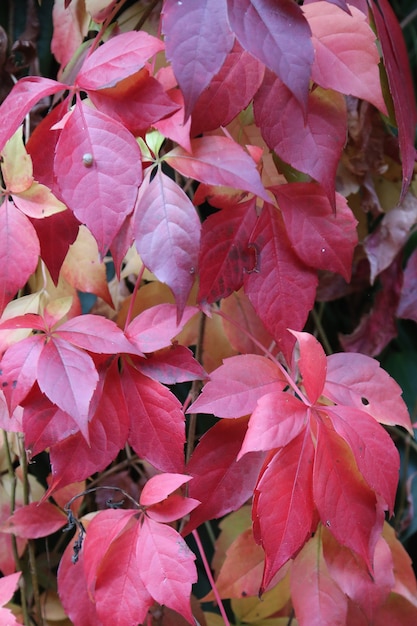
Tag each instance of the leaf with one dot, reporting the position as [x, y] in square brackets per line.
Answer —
[159, 487]
[312, 364]
[277, 419]
[37, 519]
[101, 195]
[282, 290]
[7, 588]
[155, 327]
[407, 307]
[318, 600]
[174, 507]
[400, 81]
[229, 92]
[119, 578]
[96, 334]
[167, 234]
[346, 56]
[68, 377]
[24, 95]
[328, 237]
[282, 531]
[218, 160]
[18, 369]
[167, 567]
[118, 58]
[176, 364]
[38, 201]
[19, 251]
[279, 37]
[235, 387]
[310, 142]
[338, 488]
[357, 380]
[157, 428]
[197, 40]
[219, 482]
[16, 165]
[224, 253]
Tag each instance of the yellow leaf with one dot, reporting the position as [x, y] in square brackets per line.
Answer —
[38, 201]
[17, 165]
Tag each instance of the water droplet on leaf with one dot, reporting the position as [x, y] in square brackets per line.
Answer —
[88, 159]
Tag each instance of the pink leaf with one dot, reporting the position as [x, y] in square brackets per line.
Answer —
[229, 92]
[18, 369]
[102, 193]
[279, 36]
[68, 377]
[157, 431]
[282, 290]
[24, 95]
[407, 307]
[357, 380]
[37, 519]
[96, 334]
[225, 254]
[218, 160]
[312, 145]
[167, 567]
[19, 251]
[197, 40]
[285, 478]
[161, 486]
[221, 483]
[173, 365]
[174, 507]
[8, 586]
[167, 231]
[322, 238]
[312, 364]
[118, 58]
[155, 327]
[346, 57]
[276, 421]
[235, 387]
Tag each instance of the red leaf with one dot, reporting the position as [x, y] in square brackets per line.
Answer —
[37, 519]
[18, 369]
[218, 161]
[282, 530]
[346, 56]
[167, 231]
[157, 430]
[229, 92]
[24, 95]
[19, 251]
[340, 490]
[313, 144]
[318, 600]
[68, 377]
[312, 364]
[176, 364]
[279, 36]
[277, 419]
[118, 58]
[166, 566]
[119, 581]
[225, 254]
[400, 82]
[282, 291]
[96, 334]
[197, 40]
[172, 508]
[159, 487]
[235, 387]
[358, 381]
[219, 482]
[103, 194]
[328, 237]
[155, 327]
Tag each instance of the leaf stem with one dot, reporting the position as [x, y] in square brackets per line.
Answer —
[133, 296]
[210, 577]
[320, 328]
[195, 389]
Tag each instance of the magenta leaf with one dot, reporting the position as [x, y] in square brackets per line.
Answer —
[312, 364]
[176, 364]
[118, 58]
[235, 168]
[37, 519]
[18, 370]
[101, 193]
[19, 251]
[407, 307]
[155, 327]
[197, 40]
[68, 377]
[161, 486]
[279, 36]
[167, 232]
[96, 334]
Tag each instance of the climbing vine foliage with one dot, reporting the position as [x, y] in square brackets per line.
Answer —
[211, 172]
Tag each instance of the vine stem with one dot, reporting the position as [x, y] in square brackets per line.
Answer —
[195, 390]
[210, 577]
[133, 296]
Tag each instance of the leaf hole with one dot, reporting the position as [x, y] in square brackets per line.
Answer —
[364, 401]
